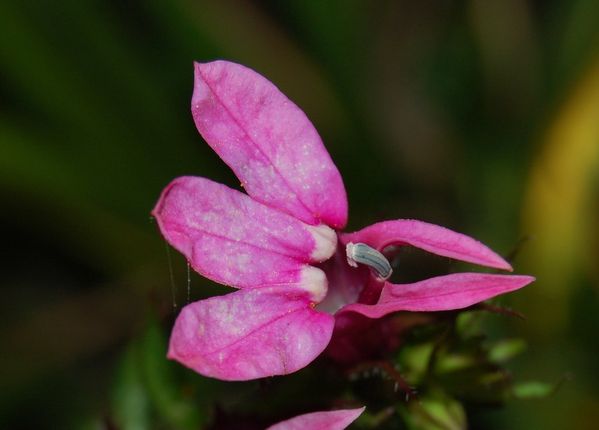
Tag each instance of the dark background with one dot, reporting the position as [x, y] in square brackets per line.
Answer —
[482, 116]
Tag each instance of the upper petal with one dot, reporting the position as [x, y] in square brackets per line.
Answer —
[250, 334]
[430, 237]
[232, 239]
[441, 293]
[268, 142]
[329, 420]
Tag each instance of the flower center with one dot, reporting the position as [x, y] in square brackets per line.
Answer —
[360, 253]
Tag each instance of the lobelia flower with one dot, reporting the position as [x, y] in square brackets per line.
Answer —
[329, 420]
[280, 244]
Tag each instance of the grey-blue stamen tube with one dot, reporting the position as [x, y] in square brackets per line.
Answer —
[360, 253]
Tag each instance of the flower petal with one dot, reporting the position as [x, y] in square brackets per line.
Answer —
[442, 293]
[330, 420]
[250, 334]
[268, 142]
[232, 239]
[430, 237]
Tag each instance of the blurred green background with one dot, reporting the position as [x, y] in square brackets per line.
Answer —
[482, 116]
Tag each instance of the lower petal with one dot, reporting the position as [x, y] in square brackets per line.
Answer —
[250, 334]
[329, 420]
[442, 293]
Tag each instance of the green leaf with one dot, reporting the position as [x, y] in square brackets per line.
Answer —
[173, 406]
[130, 403]
[434, 412]
[506, 349]
[534, 389]
[454, 362]
[414, 361]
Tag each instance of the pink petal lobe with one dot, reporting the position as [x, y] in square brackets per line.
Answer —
[232, 239]
[329, 420]
[430, 237]
[269, 143]
[250, 334]
[442, 293]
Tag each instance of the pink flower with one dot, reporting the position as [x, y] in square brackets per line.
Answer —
[330, 420]
[279, 244]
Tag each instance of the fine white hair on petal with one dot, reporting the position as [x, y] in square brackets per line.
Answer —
[325, 240]
[314, 281]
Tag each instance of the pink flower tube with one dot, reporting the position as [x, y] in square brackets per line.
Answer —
[280, 244]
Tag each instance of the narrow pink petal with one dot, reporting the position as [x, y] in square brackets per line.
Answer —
[250, 334]
[430, 237]
[330, 420]
[268, 142]
[232, 239]
[442, 293]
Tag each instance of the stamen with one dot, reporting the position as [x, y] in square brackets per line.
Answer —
[364, 254]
